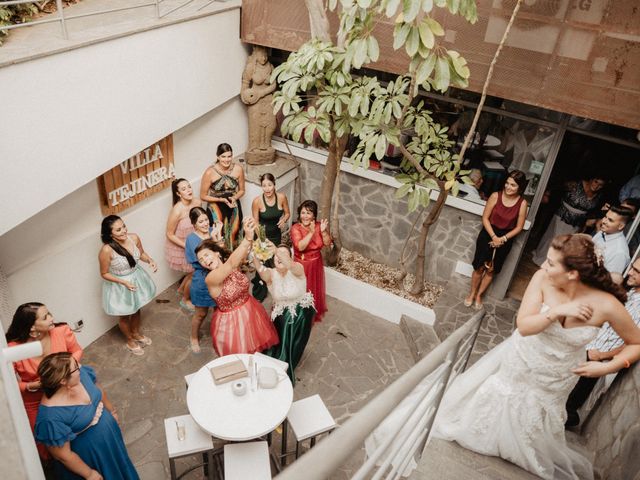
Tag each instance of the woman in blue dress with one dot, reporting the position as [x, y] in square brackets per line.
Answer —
[200, 297]
[78, 424]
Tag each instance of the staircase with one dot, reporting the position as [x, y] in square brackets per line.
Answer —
[442, 460]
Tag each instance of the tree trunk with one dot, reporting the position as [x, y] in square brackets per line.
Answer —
[434, 214]
[330, 172]
[333, 256]
[318, 20]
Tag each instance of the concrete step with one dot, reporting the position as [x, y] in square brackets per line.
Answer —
[442, 460]
[420, 337]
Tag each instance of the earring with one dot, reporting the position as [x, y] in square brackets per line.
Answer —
[34, 334]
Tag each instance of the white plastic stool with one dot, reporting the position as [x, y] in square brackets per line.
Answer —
[195, 441]
[308, 418]
[247, 461]
[187, 378]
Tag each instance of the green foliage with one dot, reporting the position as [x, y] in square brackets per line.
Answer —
[13, 14]
[319, 76]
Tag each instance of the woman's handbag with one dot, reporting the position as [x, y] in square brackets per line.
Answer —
[488, 266]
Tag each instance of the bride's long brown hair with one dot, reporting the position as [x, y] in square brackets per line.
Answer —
[579, 254]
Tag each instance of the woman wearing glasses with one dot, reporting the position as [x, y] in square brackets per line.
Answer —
[78, 423]
[33, 322]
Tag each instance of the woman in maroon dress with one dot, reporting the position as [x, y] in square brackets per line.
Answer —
[503, 218]
[308, 237]
[240, 324]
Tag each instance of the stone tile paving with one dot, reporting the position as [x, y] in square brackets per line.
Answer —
[351, 356]
[451, 314]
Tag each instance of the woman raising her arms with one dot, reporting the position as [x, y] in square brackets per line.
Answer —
[240, 324]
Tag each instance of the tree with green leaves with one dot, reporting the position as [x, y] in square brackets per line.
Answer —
[13, 14]
[319, 94]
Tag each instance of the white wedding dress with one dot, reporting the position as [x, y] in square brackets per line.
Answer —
[511, 403]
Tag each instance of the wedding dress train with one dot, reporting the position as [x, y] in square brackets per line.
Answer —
[511, 403]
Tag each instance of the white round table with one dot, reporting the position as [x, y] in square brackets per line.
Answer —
[238, 418]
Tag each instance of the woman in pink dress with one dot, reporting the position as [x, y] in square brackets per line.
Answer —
[178, 229]
[240, 324]
[308, 237]
[34, 322]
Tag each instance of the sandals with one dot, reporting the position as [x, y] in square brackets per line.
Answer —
[467, 302]
[143, 340]
[137, 350]
[195, 348]
[187, 307]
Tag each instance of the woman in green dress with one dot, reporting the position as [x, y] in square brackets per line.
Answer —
[293, 309]
[271, 209]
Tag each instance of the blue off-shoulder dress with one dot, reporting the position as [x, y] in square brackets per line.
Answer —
[101, 446]
[199, 292]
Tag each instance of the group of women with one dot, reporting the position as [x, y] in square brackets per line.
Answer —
[73, 420]
[511, 403]
[218, 224]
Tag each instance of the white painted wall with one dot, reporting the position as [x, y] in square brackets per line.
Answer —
[53, 256]
[74, 115]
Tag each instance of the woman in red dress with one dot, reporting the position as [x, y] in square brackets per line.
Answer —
[33, 322]
[308, 237]
[240, 324]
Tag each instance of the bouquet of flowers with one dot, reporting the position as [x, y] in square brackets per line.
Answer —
[260, 246]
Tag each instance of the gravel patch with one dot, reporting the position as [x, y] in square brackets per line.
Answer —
[383, 276]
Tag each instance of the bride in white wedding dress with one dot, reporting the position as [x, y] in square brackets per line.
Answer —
[511, 403]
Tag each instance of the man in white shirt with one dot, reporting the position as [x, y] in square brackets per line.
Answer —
[604, 347]
[610, 239]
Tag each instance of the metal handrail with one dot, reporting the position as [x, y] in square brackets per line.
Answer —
[329, 455]
[62, 18]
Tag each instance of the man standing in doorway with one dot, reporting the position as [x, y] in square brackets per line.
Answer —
[604, 347]
[610, 239]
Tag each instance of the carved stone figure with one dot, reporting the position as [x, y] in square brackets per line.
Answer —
[256, 94]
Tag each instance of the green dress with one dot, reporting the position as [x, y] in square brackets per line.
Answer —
[292, 315]
[270, 218]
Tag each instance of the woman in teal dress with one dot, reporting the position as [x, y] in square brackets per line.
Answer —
[78, 423]
[126, 287]
[293, 309]
[221, 188]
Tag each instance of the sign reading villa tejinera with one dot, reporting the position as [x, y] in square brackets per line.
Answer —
[137, 178]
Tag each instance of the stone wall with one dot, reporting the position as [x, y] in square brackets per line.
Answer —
[374, 223]
[613, 430]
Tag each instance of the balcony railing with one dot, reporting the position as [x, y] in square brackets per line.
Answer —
[61, 18]
[395, 453]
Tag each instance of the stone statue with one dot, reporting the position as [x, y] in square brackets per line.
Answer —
[256, 94]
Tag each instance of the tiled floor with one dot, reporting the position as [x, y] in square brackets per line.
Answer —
[351, 356]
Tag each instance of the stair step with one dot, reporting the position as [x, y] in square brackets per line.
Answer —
[420, 337]
[442, 460]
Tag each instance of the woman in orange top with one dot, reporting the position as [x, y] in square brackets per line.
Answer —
[32, 322]
[309, 237]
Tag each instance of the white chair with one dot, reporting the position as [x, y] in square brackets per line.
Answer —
[195, 441]
[187, 378]
[308, 418]
[247, 461]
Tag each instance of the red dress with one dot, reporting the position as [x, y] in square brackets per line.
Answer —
[62, 340]
[311, 260]
[240, 323]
